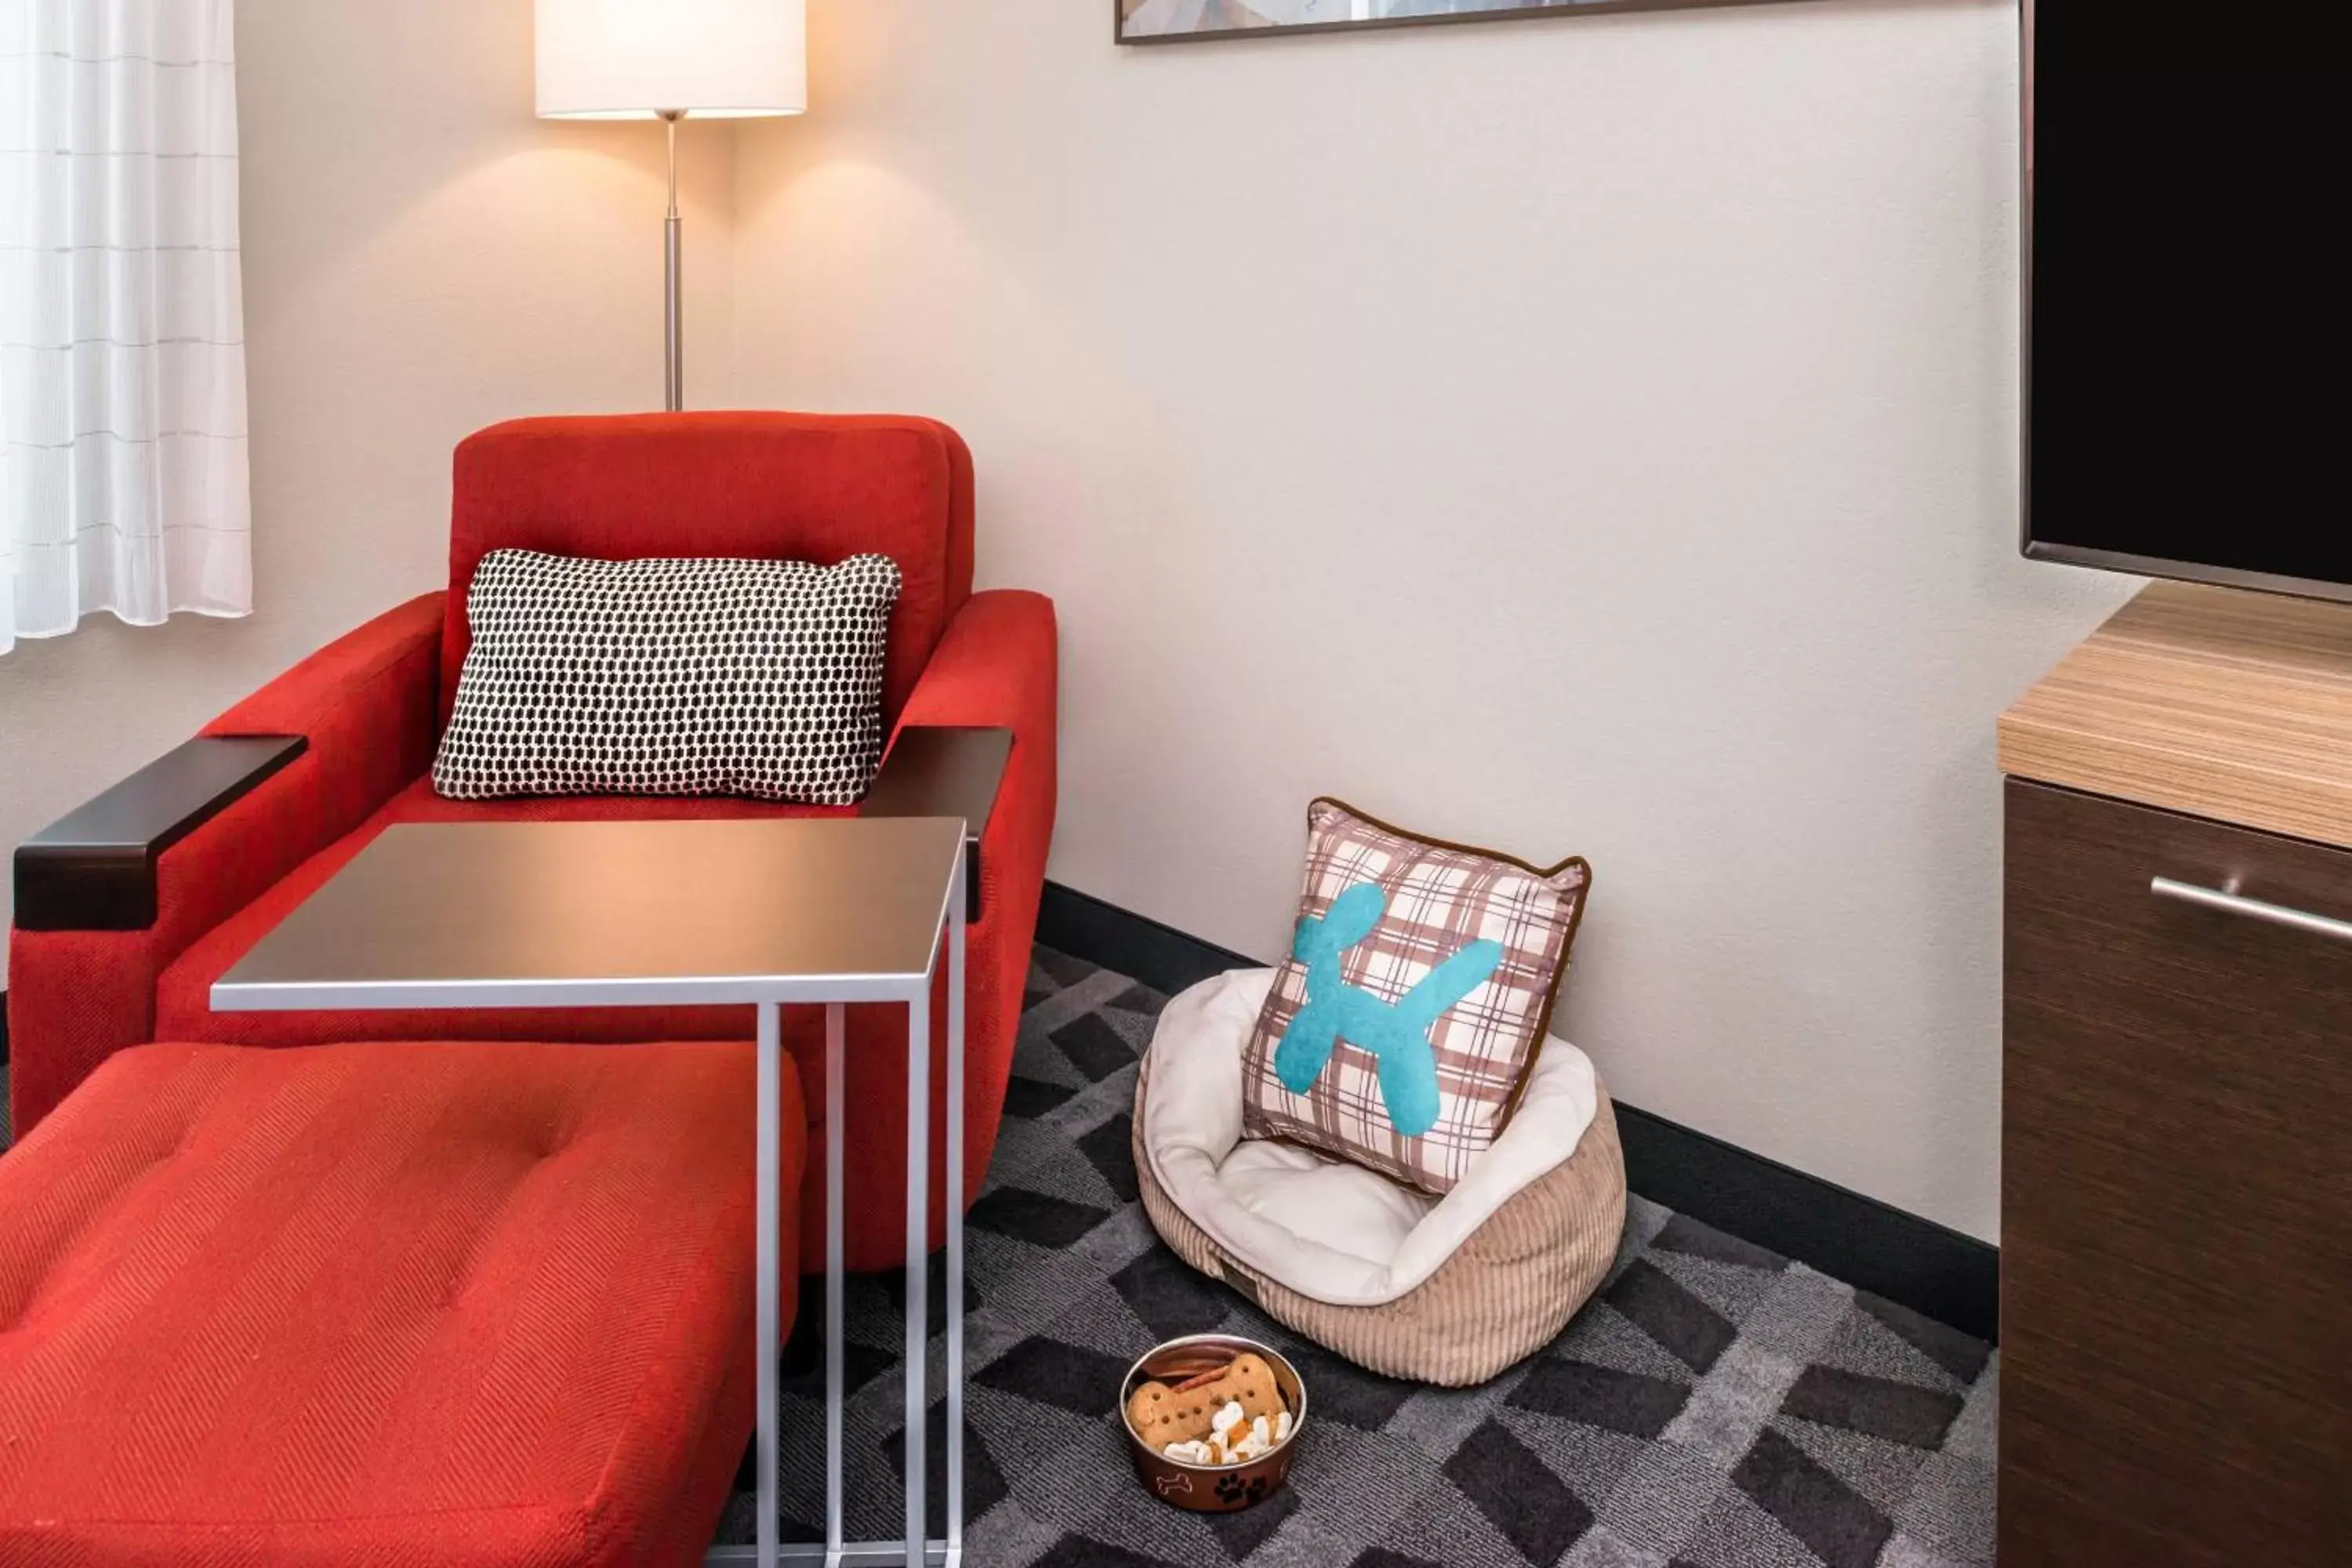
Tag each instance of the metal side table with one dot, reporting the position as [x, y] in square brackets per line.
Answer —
[612, 914]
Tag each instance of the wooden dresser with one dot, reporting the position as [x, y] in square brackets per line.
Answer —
[2177, 1093]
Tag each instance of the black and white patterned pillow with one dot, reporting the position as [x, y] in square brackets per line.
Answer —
[670, 676]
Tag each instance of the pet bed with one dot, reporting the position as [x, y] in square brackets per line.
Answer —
[1443, 1290]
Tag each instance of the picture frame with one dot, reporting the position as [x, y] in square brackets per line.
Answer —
[1152, 22]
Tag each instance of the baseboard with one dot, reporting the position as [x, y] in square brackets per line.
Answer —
[1137, 946]
[1931, 1268]
[1948, 1276]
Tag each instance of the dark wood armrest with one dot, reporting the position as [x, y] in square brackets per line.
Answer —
[942, 771]
[94, 868]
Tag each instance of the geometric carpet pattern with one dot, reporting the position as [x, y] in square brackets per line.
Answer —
[1714, 1407]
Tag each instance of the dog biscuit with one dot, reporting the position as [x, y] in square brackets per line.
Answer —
[1190, 1411]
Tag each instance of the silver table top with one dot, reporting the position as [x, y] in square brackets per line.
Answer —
[604, 914]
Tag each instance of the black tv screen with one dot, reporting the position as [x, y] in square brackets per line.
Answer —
[2186, 396]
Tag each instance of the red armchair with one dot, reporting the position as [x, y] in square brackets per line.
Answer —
[129, 910]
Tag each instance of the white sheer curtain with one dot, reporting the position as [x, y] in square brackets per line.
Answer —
[122, 449]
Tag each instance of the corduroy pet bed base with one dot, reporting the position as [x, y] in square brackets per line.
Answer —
[1508, 1292]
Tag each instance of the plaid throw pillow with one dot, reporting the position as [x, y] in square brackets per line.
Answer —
[1411, 955]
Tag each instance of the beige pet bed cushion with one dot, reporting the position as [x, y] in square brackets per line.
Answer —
[1447, 1290]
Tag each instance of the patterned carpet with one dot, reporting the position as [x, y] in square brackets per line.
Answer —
[1716, 1407]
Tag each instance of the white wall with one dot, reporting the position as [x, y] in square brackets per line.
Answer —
[421, 257]
[1592, 435]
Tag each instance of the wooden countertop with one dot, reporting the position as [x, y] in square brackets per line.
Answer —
[2224, 704]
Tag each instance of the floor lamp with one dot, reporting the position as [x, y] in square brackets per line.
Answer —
[667, 61]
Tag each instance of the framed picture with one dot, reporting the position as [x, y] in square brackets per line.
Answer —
[1185, 21]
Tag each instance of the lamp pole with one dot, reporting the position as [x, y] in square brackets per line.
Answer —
[669, 60]
[673, 266]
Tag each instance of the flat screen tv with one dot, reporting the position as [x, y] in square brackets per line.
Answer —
[2185, 277]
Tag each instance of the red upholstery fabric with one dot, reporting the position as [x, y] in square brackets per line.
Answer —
[79, 996]
[372, 705]
[800, 486]
[995, 667]
[366, 702]
[381, 1307]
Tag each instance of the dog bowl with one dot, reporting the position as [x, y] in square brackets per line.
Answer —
[1212, 1488]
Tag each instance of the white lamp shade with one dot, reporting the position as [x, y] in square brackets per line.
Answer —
[633, 59]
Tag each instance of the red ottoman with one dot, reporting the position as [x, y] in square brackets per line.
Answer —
[470, 1306]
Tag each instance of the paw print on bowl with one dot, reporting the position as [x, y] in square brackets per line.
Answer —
[1185, 1474]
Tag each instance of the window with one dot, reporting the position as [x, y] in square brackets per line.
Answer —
[123, 438]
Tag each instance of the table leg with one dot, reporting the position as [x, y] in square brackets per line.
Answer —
[918, 1183]
[955, 1217]
[835, 1095]
[769, 1309]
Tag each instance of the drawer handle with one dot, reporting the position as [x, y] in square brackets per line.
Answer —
[2231, 903]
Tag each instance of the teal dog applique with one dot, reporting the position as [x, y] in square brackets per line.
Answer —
[1396, 1033]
